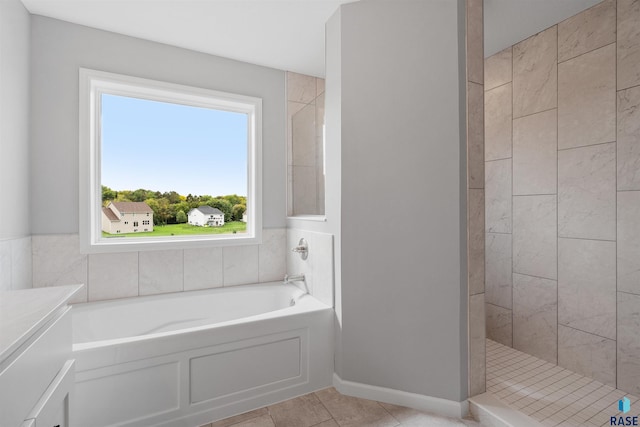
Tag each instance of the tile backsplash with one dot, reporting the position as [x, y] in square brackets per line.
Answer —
[58, 261]
[15, 264]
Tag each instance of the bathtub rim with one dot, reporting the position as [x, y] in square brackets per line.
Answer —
[305, 303]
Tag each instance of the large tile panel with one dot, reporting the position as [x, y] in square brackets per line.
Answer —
[535, 154]
[475, 135]
[21, 264]
[587, 286]
[202, 268]
[629, 139]
[629, 342]
[587, 192]
[497, 119]
[273, 255]
[498, 269]
[629, 241]
[535, 236]
[588, 30]
[499, 324]
[56, 260]
[587, 99]
[477, 341]
[535, 82]
[587, 354]
[498, 196]
[476, 241]
[240, 265]
[113, 276]
[475, 37]
[628, 43]
[161, 272]
[498, 69]
[5, 265]
[535, 309]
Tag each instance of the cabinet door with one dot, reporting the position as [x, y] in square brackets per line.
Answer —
[53, 408]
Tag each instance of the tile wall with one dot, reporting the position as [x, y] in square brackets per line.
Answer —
[475, 194]
[562, 161]
[15, 264]
[305, 143]
[58, 261]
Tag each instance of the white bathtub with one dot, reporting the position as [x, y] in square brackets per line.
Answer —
[189, 358]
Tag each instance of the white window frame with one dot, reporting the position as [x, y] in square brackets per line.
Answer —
[95, 83]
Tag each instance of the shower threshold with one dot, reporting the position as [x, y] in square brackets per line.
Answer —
[524, 391]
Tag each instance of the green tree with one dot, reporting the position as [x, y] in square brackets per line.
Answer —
[108, 194]
[237, 212]
[221, 204]
[181, 217]
[161, 210]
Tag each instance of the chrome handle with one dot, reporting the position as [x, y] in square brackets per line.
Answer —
[302, 249]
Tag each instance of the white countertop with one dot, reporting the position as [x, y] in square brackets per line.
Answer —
[23, 312]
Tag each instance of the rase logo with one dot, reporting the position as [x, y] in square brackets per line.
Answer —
[624, 406]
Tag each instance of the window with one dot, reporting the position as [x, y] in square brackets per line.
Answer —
[200, 150]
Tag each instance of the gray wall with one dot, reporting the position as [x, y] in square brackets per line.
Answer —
[15, 239]
[14, 120]
[401, 285]
[59, 48]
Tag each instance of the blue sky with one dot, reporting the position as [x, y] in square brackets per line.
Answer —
[169, 147]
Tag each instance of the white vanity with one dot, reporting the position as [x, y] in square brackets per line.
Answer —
[36, 365]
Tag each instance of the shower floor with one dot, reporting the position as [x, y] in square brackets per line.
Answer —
[550, 395]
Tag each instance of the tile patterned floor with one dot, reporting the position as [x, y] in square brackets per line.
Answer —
[328, 408]
[551, 395]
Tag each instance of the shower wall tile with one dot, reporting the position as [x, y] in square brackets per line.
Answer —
[272, 255]
[535, 236]
[5, 265]
[112, 276]
[21, 264]
[498, 196]
[202, 268]
[587, 192]
[629, 241]
[475, 135]
[477, 342]
[587, 286]
[629, 343]
[629, 139]
[535, 154]
[535, 83]
[498, 275]
[161, 272]
[303, 131]
[587, 99]
[535, 309]
[57, 261]
[240, 265]
[300, 87]
[498, 69]
[304, 190]
[475, 38]
[588, 30]
[587, 354]
[628, 43]
[499, 324]
[497, 119]
[475, 223]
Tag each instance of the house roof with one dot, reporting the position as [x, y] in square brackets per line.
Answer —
[110, 215]
[208, 210]
[132, 207]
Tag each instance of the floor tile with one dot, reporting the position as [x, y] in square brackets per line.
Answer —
[232, 421]
[303, 411]
[351, 411]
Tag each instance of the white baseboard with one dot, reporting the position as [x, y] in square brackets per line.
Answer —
[444, 407]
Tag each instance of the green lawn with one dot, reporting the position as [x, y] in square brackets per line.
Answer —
[186, 229]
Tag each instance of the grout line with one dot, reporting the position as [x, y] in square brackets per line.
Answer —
[590, 51]
[586, 146]
[584, 238]
[537, 112]
[537, 277]
[586, 332]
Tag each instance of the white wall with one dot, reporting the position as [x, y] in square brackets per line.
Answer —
[59, 48]
[15, 240]
[401, 294]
